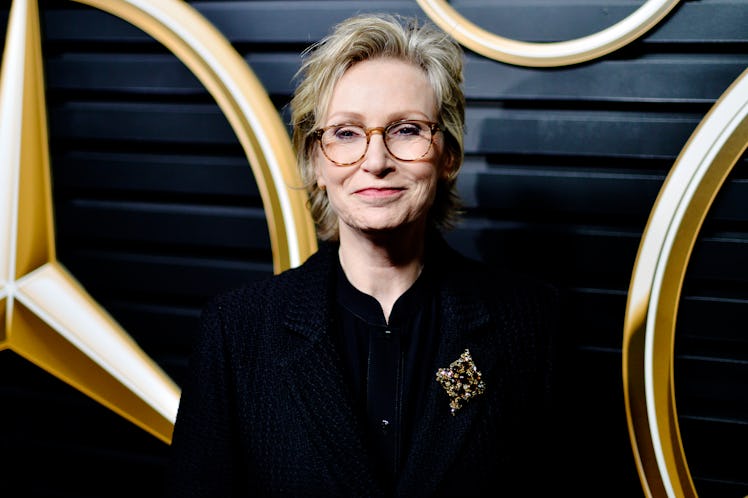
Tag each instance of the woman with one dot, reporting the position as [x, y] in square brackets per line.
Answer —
[387, 364]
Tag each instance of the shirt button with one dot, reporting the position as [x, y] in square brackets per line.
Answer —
[384, 426]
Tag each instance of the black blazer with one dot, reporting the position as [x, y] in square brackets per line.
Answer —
[266, 410]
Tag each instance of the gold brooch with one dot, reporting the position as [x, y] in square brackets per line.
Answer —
[461, 380]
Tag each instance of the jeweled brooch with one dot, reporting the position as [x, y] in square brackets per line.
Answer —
[462, 381]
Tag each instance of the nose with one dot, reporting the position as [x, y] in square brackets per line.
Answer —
[377, 160]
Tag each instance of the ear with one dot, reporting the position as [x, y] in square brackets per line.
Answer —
[448, 165]
[315, 163]
[321, 183]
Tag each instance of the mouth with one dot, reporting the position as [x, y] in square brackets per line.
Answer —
[379, 192]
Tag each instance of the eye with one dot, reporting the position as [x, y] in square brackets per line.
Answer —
[405, 129]
[345, 133]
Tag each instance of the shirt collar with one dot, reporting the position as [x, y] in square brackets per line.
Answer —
[368, 309]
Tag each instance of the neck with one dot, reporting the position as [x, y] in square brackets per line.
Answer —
[382, 265]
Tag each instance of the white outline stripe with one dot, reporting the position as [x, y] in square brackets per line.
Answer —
[110, 351]
[694, 165]
[275, 170]
[11, 128]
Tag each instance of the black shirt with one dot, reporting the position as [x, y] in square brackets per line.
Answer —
[389, 365]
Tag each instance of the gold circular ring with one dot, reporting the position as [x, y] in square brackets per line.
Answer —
[547, 54]
[247, 107]
[654, 292]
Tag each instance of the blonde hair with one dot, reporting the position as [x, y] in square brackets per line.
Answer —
[371, 36]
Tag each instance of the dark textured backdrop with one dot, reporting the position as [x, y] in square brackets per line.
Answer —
[156, 209]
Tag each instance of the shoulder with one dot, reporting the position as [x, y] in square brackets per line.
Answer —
[476, 278]
[523, 309]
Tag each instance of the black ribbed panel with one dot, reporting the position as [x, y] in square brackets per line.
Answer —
[156, 209]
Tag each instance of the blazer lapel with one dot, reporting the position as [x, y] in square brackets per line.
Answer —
[439, 435]
[316, 383]
[313, 374]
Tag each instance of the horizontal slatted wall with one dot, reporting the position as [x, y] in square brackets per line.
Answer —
[156, 210]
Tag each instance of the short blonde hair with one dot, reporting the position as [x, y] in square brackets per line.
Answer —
[371, 36]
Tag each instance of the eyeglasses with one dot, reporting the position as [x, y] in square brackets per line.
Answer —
[406, 140]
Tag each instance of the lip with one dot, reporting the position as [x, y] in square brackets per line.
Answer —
[379, 192]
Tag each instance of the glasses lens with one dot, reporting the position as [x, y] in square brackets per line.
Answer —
[344, 144]
[408, 140]
[405, 140]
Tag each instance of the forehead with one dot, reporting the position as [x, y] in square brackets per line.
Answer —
[383, 89]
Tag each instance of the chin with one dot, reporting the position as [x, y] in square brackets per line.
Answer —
[385, 224]
[390, 227]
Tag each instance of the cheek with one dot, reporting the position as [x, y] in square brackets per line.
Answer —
[330, 176]
[428, 184]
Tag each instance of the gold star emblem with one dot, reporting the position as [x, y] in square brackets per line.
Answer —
[47, 317]
[45, 314]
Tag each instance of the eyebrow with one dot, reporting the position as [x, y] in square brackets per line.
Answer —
[355, 118]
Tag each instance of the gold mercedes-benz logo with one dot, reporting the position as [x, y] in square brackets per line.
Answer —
[48, 318]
